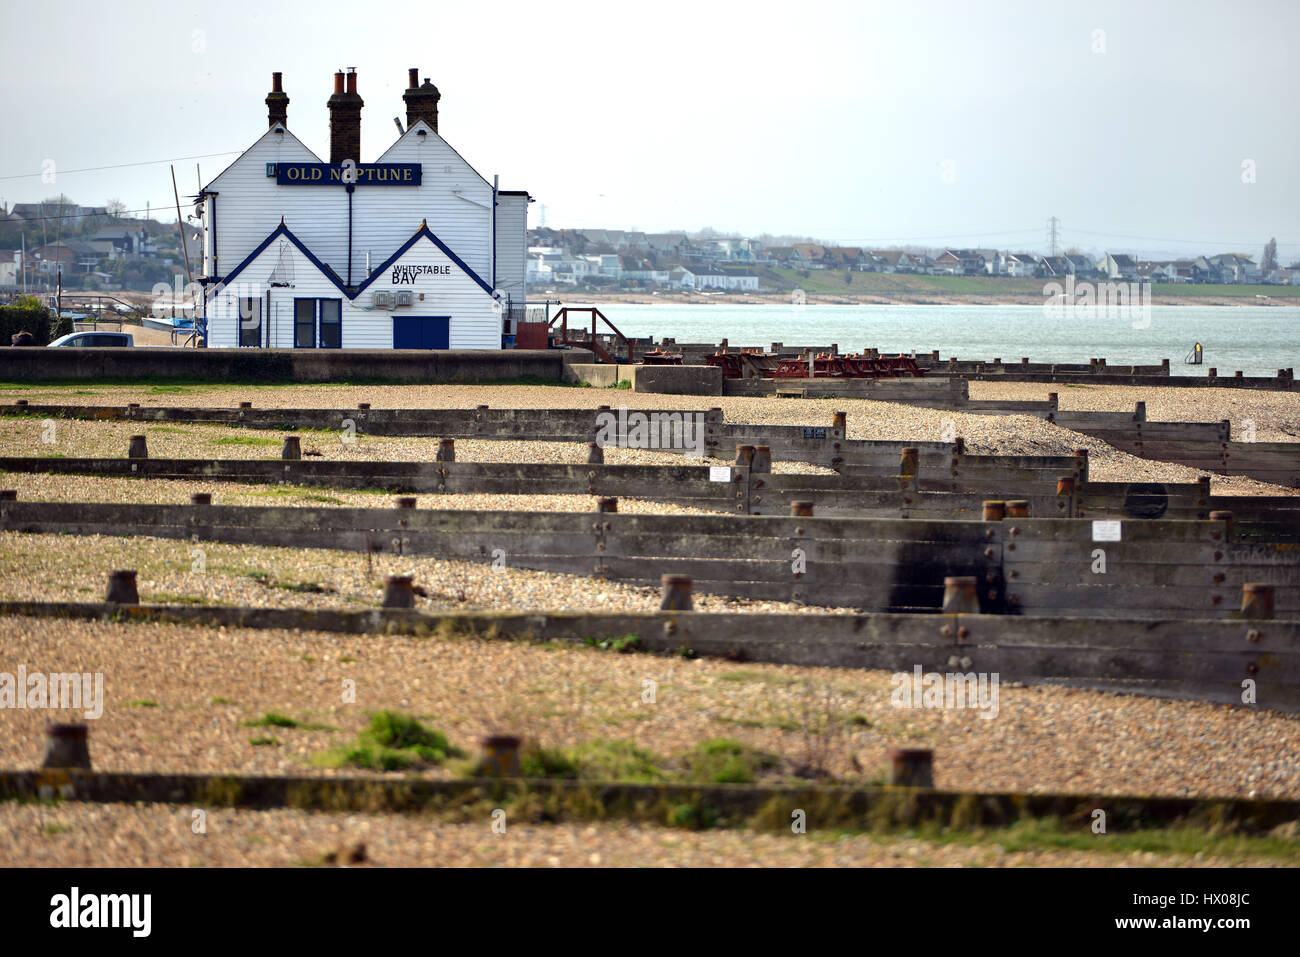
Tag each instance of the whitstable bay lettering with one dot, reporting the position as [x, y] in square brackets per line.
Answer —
[407, 275]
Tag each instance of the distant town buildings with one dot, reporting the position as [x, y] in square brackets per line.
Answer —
[677, 261]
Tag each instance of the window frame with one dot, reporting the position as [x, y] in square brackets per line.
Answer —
[239, 322]
[320, 323]
[314, 322]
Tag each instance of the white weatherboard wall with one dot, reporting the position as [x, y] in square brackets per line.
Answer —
[426, 271]
[308, 283]
[250, 204]
[512, 245]
[454, 199]
[447, 290]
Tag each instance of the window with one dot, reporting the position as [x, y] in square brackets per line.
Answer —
[304, 323]
[317, 322]
[331, 323]
[250, 322]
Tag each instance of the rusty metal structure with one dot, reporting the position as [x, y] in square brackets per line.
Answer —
[752, 364]
[658, 357]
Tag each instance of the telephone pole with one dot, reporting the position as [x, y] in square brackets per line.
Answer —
[1053, 234]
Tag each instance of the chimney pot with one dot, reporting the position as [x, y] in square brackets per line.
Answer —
[414, 78]
[277, 102]
[345, 119]
[421, 102]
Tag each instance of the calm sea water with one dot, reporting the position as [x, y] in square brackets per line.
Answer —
[1258, 340]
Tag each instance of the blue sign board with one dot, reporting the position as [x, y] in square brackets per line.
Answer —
[325, 174]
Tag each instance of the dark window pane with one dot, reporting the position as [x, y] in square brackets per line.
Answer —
[304, 323]
[250, 322]
[331, 326]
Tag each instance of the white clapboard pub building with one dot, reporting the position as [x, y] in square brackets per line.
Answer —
[413, 251]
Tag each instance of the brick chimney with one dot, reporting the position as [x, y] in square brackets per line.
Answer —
[421, 101]
[345, 119]
[277, 103]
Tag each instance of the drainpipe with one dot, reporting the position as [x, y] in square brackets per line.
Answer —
[495, 181]
[350, 189]
[212, 199]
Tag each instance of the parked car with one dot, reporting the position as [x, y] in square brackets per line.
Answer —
[82, 339]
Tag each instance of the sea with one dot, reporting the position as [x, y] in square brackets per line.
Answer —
[1258, 340]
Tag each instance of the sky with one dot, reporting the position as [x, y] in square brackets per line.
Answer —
[1155, 128]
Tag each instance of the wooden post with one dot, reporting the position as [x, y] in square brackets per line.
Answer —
[959, 596]
[762, 458]
[138, 449]
[911, 767]
[1226, 518]
[607, 504]
[122, 588]
[744, 456]
[446, 451]
[1018, 508]
[399, 592]
[595, 454]
[500, 756]
[801, 509]
[675, 593]
[994, 510]
[1065, 491]
[909, 463]
[66, 747]
[1081, 464]
[1256, 600]
[201, 498]
[292, 448]
[406, 501]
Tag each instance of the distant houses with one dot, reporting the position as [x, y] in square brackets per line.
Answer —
[1118, 266]
[709, 262]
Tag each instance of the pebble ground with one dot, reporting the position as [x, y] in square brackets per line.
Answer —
[179, 699]
[89, 835]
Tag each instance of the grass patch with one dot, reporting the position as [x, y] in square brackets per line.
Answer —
[597, 760]
[245, 440]
[1037, 834]
[220, 700]
[623, 644]
[140, 703]
[264, 741]
[392, 742]
[748, 675]
[267, 580]
[273, 719]
[724, 761]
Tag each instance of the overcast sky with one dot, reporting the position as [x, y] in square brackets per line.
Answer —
[937, 123]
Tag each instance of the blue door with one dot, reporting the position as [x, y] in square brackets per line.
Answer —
[422, 332]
